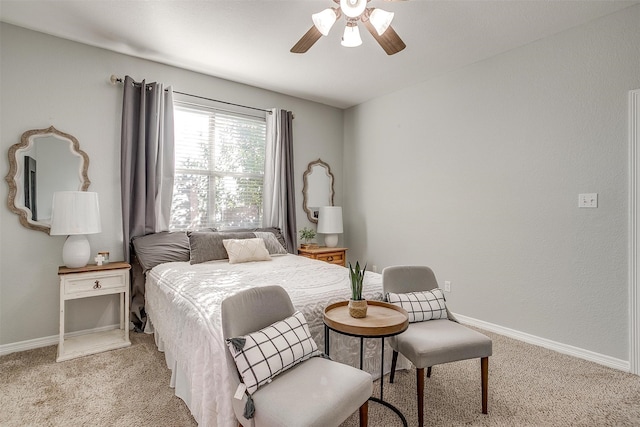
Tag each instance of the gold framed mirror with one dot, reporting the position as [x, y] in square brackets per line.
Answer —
[43, 162]
[317, 189]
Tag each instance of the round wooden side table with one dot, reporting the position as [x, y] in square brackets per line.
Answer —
[382, 320]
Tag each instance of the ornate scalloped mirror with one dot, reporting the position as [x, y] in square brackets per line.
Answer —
[317, 189]
[43, 162]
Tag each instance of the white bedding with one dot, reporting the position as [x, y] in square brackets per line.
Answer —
[183, 304]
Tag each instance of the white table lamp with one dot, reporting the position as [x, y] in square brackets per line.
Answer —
[330, 223]
[75, 213]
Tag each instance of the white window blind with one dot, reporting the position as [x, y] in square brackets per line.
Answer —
[219, 168]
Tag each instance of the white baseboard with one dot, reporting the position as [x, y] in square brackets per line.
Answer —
[580, 353]
[601, 359]
[47, 341]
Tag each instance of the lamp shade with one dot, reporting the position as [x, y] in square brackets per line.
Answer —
[330, 223]
[75, 212]
[324, 20]
[381, 19]
[351, 36]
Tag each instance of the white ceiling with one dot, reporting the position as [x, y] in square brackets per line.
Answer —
[249, 41]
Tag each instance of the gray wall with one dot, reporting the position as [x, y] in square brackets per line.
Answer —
[48, 81]
[477, 174]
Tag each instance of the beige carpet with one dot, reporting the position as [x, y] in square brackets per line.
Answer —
[528, 386]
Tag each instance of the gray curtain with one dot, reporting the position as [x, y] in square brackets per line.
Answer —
[278, 190]
[147, 171]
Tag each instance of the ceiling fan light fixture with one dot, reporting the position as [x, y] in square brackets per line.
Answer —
[376, 21]
[381, 20]
[351, 36]
[324, 20]
[353, 8]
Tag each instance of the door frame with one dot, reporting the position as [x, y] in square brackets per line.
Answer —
[634, 231]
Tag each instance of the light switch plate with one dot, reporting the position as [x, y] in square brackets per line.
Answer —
[588, 200]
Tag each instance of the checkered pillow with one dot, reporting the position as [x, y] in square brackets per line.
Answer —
[262, 355]
[421, 306]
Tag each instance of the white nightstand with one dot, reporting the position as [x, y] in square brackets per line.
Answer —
[92, 281]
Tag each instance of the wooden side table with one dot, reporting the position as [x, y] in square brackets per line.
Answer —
[382, 320]
[92, 281]
[336, 256]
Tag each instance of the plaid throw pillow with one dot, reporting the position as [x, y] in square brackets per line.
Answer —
[262, 355]
[421, 306]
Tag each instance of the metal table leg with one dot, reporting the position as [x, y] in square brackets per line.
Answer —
[326, 340]
[381, 399]
[373, 399]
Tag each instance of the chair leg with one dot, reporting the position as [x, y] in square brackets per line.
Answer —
[394, 360]
[364, 414]
[429, 372]
[420, 390]
[484, 367]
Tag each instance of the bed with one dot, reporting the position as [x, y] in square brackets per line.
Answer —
[182, 302]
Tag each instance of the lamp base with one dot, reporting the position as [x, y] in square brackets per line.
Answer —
[76, 251]
[331, 240]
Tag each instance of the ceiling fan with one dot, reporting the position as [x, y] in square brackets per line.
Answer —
[377, 21]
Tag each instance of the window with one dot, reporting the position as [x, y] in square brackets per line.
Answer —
[219, 168]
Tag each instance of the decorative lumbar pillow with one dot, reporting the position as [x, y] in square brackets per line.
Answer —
[246, 250]
[262, 355]
[421, 306]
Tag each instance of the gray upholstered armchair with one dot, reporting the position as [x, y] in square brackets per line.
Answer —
[313, 392]
[432, 342]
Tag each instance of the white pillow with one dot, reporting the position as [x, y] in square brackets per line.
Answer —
[421, 306]
[245, 250]
[262, 355]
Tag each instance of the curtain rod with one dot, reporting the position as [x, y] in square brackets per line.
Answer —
[115, 79]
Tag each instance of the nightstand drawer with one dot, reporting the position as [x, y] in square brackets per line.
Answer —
[332, 257]
[97, 283]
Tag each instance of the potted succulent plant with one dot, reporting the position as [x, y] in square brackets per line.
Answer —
[307, 234]
[357, 304]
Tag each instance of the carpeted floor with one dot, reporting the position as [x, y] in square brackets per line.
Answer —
[528, 386]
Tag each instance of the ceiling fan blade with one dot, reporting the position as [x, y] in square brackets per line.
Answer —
[390, 41]
[305, 43]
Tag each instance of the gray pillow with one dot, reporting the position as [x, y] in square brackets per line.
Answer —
[274, 230]
[158, 248]
[208, 246]
[271, 242]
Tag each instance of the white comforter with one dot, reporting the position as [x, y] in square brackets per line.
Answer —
[183, 304]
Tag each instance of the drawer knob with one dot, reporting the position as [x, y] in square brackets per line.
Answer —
[330, 258]
[97, 285]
